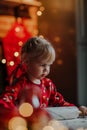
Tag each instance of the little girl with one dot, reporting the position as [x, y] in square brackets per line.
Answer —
[37, 56]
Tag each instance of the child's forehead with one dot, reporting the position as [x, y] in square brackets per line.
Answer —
[46, 61]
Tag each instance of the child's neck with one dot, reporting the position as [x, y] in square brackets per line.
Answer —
[34, 80]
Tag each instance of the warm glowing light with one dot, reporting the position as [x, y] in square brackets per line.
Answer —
[21, 128]
[17, 29]
[26, 109]
[57, 39]
[11, 63]
[16, 54]
[42, 8]
[17, 122]
[20, 43]
[3, 61]
[59, 61]
[19, 19]
[57, 125]
[39, 13]
[48, 128]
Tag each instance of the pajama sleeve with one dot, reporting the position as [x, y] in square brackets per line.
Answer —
[56, 98]
[9, 97]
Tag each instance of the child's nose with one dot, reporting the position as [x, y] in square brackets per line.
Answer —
[46, 68]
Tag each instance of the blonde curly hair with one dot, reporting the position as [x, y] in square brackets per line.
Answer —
[37, 49]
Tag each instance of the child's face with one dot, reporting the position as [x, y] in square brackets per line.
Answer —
[39, 70]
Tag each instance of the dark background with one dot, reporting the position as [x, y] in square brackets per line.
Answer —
[58, 24]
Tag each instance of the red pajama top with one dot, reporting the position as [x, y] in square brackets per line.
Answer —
[24, 90]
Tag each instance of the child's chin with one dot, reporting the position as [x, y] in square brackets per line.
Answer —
[42, 77]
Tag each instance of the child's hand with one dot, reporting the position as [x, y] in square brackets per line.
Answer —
[83, 110]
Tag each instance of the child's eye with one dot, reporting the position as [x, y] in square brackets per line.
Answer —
[43, 65]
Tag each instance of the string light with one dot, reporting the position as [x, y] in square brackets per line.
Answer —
[3, 61]
[42, 8]
[20, 43]
[39, 13]
[16, 54]
[11, 63]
